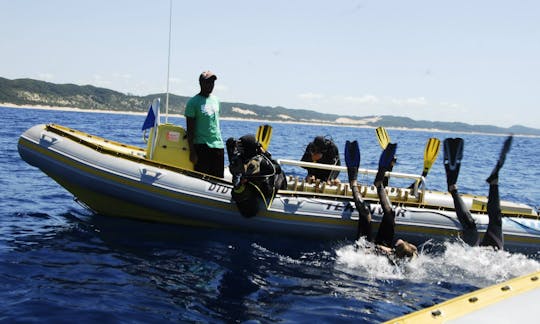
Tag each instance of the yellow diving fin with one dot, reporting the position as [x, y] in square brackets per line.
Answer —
[382, 136]
[264, 135]
[431, 151]
[433, 146]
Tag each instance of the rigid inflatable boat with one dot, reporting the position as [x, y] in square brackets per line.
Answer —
[158, 184]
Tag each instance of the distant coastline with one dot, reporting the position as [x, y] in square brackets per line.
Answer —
[36, 94]
[117, 112]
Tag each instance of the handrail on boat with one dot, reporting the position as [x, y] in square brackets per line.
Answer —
[419, 180]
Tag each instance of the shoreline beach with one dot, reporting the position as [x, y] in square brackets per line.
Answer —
[39, 107]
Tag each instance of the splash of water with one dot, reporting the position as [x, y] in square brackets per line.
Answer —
[452, 262]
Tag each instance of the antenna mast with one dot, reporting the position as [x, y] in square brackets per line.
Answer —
[168, 64]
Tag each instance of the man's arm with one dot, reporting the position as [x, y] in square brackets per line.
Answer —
[307, 154]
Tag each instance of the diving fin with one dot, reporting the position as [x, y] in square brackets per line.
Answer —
[502, 157]
[431, 152]
[264, 134]
[352, 159]
[385, 161]
[453, 153]
[382, 136]
[352, 154]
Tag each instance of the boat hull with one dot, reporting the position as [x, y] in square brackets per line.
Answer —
[126, 184]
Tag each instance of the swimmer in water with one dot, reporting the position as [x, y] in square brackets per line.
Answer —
[384, 241]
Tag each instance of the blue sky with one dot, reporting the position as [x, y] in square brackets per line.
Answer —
[465, 61]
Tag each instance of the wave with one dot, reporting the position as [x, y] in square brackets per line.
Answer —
[450, 262]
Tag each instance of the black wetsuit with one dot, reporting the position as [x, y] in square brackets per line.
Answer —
[255, 174]
[494, 234]
[330, 155]
[385, 234]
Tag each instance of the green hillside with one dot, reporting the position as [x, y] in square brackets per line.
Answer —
[33, 92]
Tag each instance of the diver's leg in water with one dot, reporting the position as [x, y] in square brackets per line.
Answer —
[453, 153]
[364, 216]
[494, 234]
[470, 233]
[385, 234]
[352, 159]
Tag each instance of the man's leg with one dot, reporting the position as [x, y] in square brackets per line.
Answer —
[453, 153]
[210, 160]
[218, 162]
[385, 234]
[470, 232]
[494, 234]
[352, 160]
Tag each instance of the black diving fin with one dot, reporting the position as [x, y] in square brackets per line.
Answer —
[453, 153]
[385, 161]
[502, 157]
[352, 159]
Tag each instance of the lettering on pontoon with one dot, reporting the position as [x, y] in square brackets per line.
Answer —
[216, 187]
[347, 207]
[375, 210]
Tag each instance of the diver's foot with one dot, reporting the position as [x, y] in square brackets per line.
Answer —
[452, 188]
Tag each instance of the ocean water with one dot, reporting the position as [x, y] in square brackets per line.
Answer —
[61, 263]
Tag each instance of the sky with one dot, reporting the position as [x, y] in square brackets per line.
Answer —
[476, 62]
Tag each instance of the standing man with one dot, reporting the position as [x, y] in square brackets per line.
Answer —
[203, 131]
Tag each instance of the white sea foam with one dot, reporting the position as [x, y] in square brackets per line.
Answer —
[452, 262]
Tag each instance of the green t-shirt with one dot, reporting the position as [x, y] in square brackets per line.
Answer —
[206, 113]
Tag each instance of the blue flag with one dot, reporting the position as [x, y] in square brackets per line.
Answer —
[151, 117]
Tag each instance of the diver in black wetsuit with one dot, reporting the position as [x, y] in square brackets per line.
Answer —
[256, 175]
[385, 235]
[322, 150]
[453, 153]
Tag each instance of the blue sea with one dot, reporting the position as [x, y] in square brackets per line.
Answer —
[60, 263]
